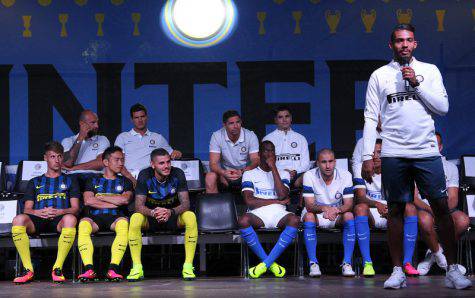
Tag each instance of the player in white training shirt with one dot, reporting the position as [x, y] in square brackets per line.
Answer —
[328, 195]
[291, 148]
[139, 142]
[406, 93]
[426, 218]
[266, 192]
[233, 150]
[372, 208]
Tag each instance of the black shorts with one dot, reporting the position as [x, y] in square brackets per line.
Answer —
[170, 225]
[104, 221]
[233, 185]
[43, 225]
[400, 174]
[297, 176]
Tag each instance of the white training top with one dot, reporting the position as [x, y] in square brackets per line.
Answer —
[137, 148]
[234, 155]
[261, 183]
[357, 158]
[407, 125]
[89, 150]
[340, 188]
[373, 190]
[291, 150]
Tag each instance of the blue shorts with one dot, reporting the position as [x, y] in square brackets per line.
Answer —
[400, 174]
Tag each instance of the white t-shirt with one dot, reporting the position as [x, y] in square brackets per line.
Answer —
[357, 158]
[340, 188]
[291, 150]
[234, 155]
[89, 150]
[406, 116]
[373, 190]
[261, 183]
[137, 148]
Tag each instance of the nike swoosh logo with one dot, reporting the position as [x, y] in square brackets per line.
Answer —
[97, 186]
[152, 192]
[38, 187]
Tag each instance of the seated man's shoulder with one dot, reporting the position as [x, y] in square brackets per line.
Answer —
[145, 174]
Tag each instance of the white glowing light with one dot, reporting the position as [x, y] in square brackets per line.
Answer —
[199, 19]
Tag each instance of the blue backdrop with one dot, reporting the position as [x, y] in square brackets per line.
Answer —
[64, 36]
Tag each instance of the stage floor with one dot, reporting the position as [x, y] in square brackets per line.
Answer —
[328, 286]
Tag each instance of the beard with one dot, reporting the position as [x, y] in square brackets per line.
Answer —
[91, 133]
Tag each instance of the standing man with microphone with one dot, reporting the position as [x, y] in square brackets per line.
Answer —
[406, 93]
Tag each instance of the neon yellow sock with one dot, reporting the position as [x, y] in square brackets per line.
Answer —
[22, 244]
[65, 242]
[188, 219]
[135, 237]
[86, 249]
[120, 242]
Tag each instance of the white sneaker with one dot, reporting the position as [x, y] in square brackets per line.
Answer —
[462, 269]
[440, 259]
[397, 279]
[455, 280]
[424, 266]
[346, 270]
[315, 270]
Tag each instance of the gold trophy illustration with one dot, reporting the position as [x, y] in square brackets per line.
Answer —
[404, 16]
[63, 19]
[27, 25]
[100, 20]
[261, 16]
[297, 15]
[333, 19]
[368, 19]
[136, 19]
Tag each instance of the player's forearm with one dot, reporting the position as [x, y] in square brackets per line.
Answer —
[94, 164]
[453, 198]
[216, 168]
[117, 200]
[71, 155]
[98, 203]
[281, 190]
[365, 200]
[71, 210]
[346, 207]
[252, 166]
[144, 210]
[369, 137]
[436, 100]
[312, 208]
[181, 208]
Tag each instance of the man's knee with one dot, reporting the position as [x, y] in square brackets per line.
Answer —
[426, 222]
[69, 221]
[293, 221]
[211, 178]
[136, 221]
[461, 221]
[348, 216]
[410, 210]
[396, 209]
[20, 220]
[245, 221]
[309, 217]
[361, 209]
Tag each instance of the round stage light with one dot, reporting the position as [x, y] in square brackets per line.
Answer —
[198, 23]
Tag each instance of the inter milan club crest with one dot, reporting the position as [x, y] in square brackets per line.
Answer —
[38, 166]
[293, 145]
[95, 145]
[152, 142]
[119, 188]
[184, 166]
[243, 149]
[338, 196]
[172, 191]
[63, 186]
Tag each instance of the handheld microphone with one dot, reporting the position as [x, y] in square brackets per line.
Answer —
[405, 63]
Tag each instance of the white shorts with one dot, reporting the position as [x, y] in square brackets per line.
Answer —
[379, 222]
[270, 214]
[323, 223]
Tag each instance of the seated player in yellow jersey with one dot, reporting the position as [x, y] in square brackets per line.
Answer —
[51, 205]
[162, 203]
[106, 198]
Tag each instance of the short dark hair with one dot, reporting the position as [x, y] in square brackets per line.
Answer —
[158, 152]
[379, 141]
[55, 147]
[137, 108]
[280, 109]
[403, 26]
[325, 150]
[109, 151]
[263, 143]
[229, 114]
